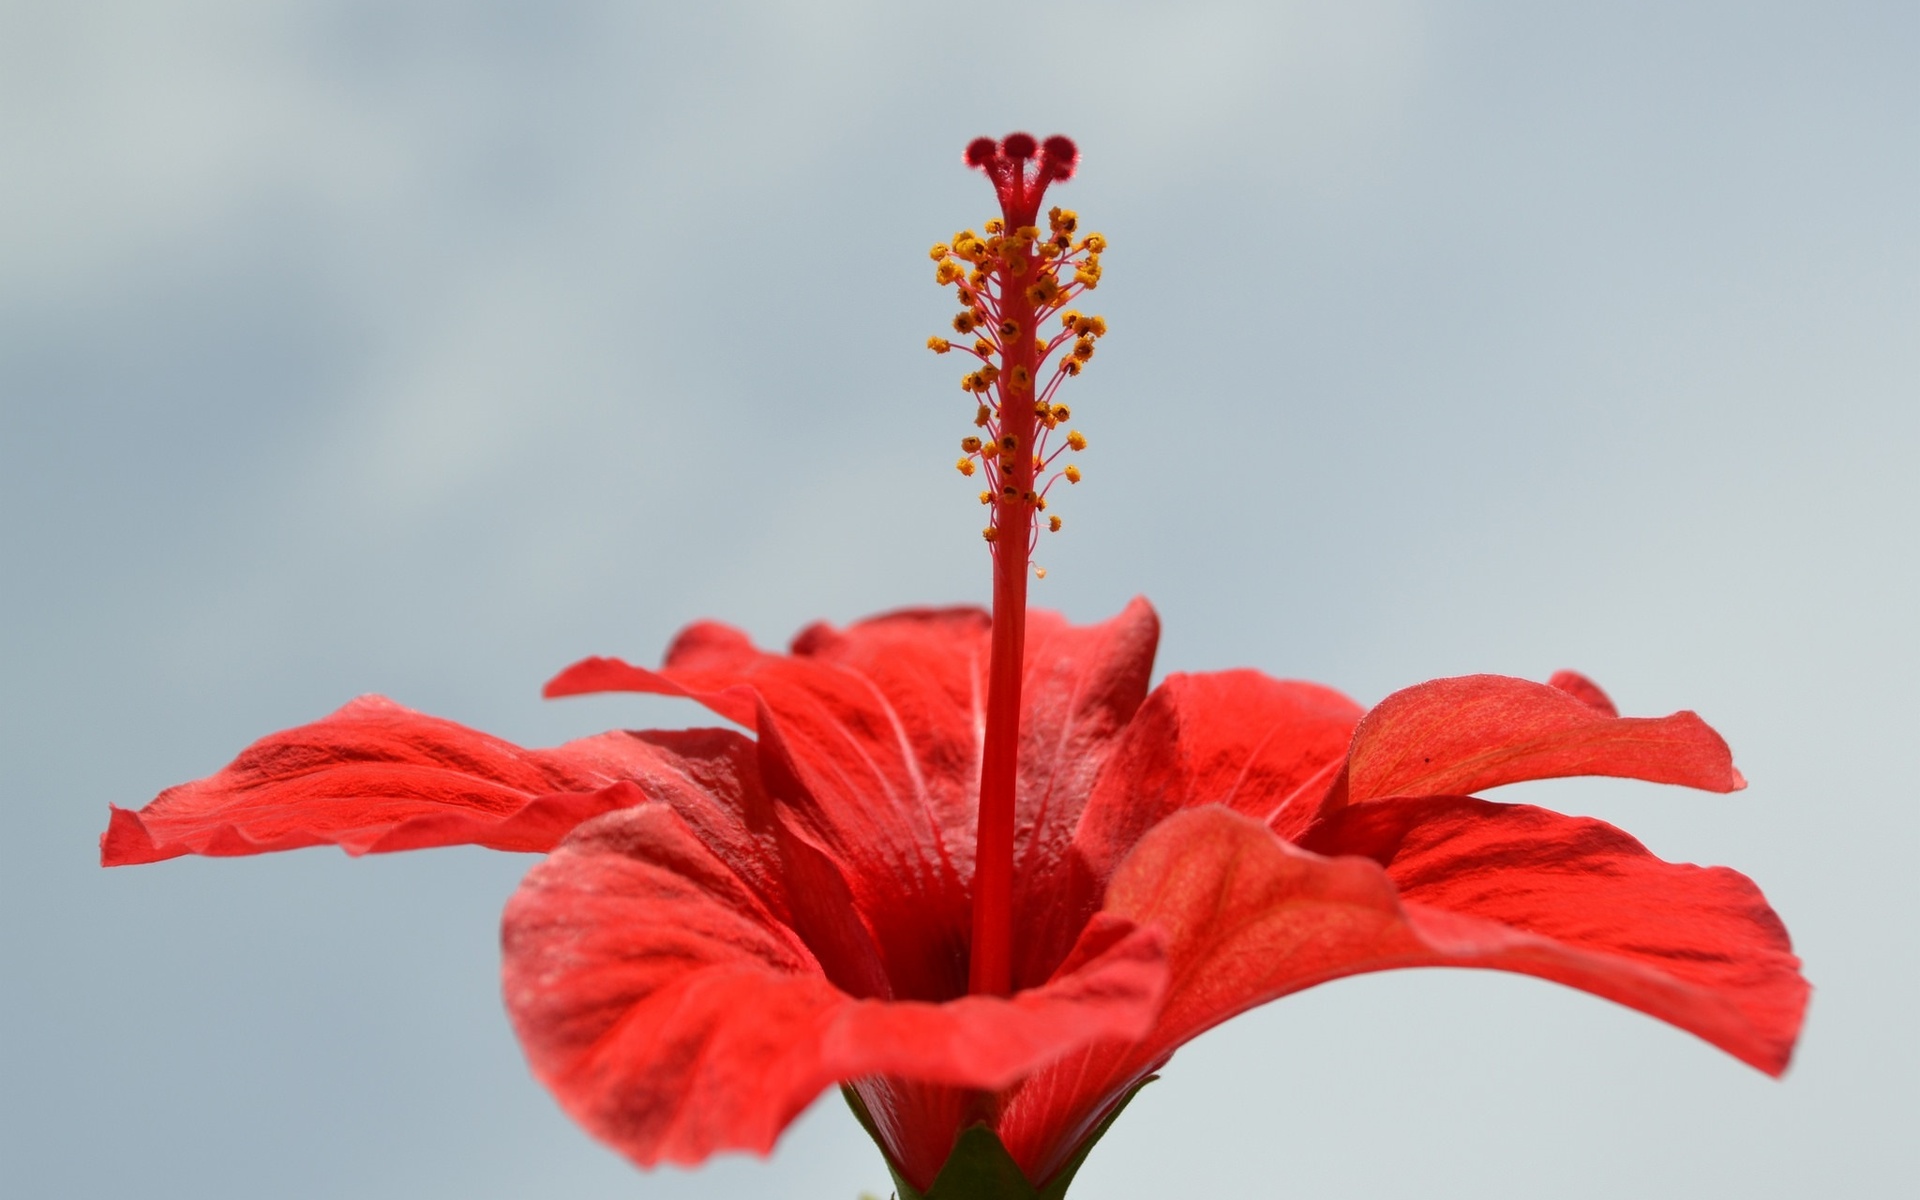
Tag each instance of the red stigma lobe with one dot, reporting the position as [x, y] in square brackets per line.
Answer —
[1021, 168]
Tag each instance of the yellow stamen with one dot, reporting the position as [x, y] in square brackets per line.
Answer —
[1076, 440]
[939, 345]
[965, 466]
[1072, 473]
[1053, 524]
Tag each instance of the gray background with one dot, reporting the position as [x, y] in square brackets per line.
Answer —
[421, 348]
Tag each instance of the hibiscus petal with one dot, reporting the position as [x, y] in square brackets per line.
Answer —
[1450, 737]
[1696, 946]
[375, 776]
[674, 1015]
[1261, 746]
[1249, 918]
[1574, 684]
[1084, 685]
[874, 738]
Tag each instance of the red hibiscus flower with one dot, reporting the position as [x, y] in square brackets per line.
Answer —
[971, 868]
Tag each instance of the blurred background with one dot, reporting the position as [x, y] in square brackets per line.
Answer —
[421, 348]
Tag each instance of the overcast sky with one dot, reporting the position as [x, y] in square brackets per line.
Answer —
[422, 348]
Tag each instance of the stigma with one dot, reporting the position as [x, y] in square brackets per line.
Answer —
[1015, 285]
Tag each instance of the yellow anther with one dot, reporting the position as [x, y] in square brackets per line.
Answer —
[939, 345]
[1083, 349]
[965, 466]
[1070, 318]
[1095, 244]
[995, 225]
[1044, 290]
[1039, 572]
[1061, 412]
[1072, 473]
[982, 415]
[1097, 326]
[1022, 378]
[1088, 276]
[1009, 330]
[940, 250]
[970, 444]
[1061, 243]
[1041, 504]
[989, 533]
[989, 372]
[1045, 414]
[964, 322]
[1082, 325]
[1076, 440]
[982, 347]
[970, 382]
[1071, 366]
[986, 497]
[947, 272]
[1028, 233]
[1029, 497]
[972, 249]
[978, 279]
[1053, 524]
[1062, 220]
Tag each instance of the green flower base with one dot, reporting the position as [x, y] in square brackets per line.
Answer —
[979, 1168]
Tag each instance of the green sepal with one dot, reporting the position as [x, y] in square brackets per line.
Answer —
[979, 1168]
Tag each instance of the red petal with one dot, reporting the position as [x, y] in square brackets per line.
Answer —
[375, 777]
[1694, 946]
[1458, 736]
[1261, 746]
[879, 727]
[1574, 684]
[1249, 918]
[674, 1015]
